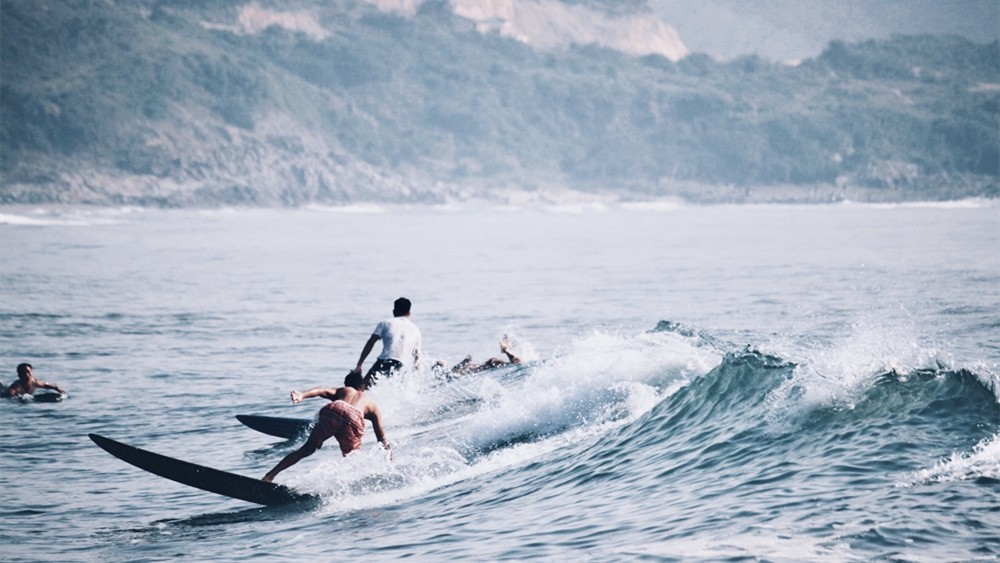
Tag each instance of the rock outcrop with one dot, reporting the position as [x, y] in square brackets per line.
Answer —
[551, 24]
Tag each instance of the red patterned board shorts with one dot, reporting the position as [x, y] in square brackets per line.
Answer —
[343, 421]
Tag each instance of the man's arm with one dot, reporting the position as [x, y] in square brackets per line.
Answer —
[375, 416]
[15, 389]
[367, 350]
[332, 394]
[52, 386]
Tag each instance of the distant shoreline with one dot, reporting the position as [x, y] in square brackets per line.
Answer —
[691, 193]
[568, 200]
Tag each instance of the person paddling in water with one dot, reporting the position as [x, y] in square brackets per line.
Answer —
[467, 366]
[343, 418]
[27, 384]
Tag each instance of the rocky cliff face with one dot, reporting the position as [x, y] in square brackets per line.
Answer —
[310, 101]
[551, 24]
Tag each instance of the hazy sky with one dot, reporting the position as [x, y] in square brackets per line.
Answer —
[798, 29]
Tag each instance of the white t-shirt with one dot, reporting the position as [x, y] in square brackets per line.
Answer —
[400, 337]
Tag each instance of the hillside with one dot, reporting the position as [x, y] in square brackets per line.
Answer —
[174, 103]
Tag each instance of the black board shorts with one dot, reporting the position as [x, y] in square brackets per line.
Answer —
[385, 368]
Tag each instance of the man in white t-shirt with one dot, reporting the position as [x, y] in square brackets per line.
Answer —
[400, 344]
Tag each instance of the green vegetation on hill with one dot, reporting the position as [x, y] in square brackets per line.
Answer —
[157, 102]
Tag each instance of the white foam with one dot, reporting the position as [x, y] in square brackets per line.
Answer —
[44, 218]
[604, 381]
[602, 378]
[358, 209]
[839, 372]
[982, 461]
[657, 206]
[968, 203]
[576, 208]
[8, 219]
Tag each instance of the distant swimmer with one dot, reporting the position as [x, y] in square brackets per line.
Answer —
[400, 344]
[27, 384]
[343, 418]
[467, 366]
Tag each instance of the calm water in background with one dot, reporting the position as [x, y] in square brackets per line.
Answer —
[824, 386]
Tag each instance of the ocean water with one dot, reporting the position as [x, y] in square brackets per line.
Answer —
[776, 383]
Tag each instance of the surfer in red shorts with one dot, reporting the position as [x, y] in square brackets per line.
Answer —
[343, 418]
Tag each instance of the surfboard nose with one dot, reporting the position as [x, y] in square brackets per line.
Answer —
[202, 477]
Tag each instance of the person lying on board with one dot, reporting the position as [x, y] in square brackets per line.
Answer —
[466, 366]
[343, 418]
[27, 384]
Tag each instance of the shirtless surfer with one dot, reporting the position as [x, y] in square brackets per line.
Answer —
[27, 384]
[343, 418]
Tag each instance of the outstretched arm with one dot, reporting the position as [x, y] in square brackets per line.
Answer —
[331, 394]
[366, 350]
[52, 386]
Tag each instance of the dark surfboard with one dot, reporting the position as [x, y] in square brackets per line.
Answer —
[287, 428]
[38, 397]
[201, 477]
[49, 397]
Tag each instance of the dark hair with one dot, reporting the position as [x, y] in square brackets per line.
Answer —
[401, 307]
[22, 369]
[354, 380]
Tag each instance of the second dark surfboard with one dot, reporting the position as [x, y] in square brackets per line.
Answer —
[287, 428]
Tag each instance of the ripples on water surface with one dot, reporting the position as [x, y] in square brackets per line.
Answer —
[771, 382]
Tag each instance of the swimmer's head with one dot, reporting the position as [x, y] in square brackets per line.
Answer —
[24, 370]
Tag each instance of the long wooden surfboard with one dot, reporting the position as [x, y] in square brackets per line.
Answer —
[201, 477]
[287, 428]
